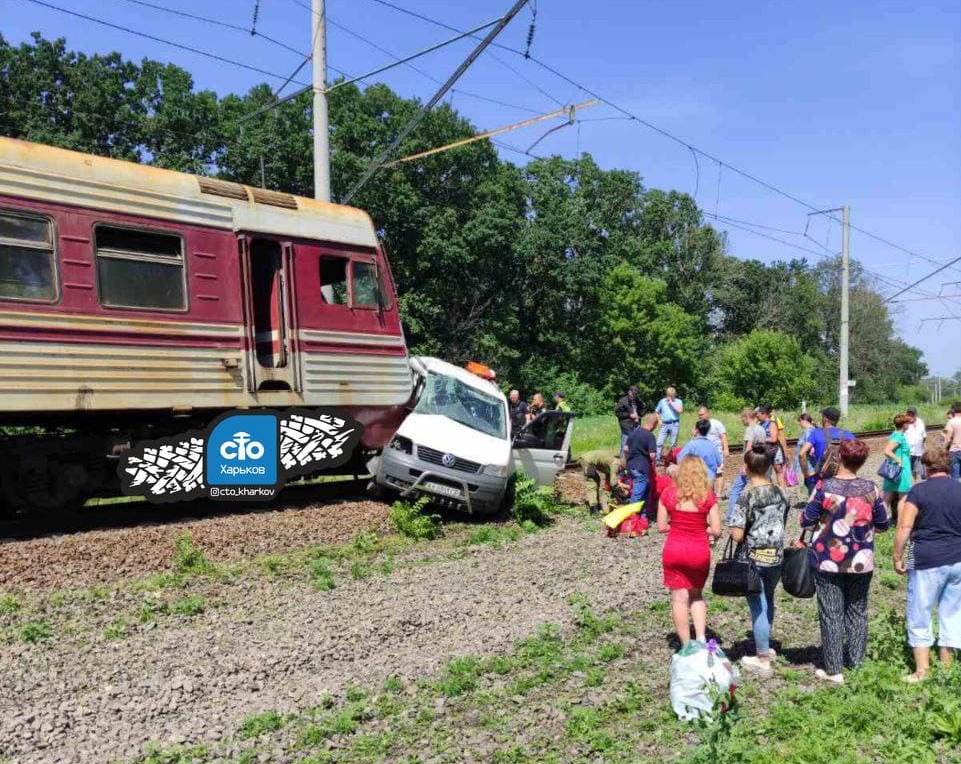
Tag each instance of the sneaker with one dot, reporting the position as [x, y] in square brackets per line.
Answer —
[771, 654]
[757, 666]
[824, 676]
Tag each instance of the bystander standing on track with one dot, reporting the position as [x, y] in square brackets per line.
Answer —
[916, 434]
[898, 451]
[717, 434]
[952, 438]
[628, 411]
[753, 435]
[812, 454]
[669, 409]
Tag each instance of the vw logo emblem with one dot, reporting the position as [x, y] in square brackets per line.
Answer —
[448, 460]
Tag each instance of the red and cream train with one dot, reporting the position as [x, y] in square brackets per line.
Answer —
[137, 302]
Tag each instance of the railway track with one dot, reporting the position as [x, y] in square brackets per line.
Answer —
[865, 435]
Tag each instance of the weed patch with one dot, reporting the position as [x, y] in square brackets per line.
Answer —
[9, 604]
[256, 725]
[35, 631]
[118, 628]
[188, 559]
[320, 575]
[190, 605]
[410, 519]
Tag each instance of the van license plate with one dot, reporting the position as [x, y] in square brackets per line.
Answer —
[443, 490]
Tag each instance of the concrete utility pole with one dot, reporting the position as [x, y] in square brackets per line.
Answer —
[319, 81]
[845, 308]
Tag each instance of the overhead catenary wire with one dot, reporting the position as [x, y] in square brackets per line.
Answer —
[215, 22]
[668, 134]
[516, 72]
[154, 38]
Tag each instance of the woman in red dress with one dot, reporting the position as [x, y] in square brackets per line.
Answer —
[688, 514]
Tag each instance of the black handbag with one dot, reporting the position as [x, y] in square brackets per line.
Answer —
[735, 574]
[890, 470]
[797, 570]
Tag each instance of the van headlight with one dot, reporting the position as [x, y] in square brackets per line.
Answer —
[400, 443]
[498, 470]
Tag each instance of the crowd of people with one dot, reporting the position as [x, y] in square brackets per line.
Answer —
[523, 412]
[920, 495]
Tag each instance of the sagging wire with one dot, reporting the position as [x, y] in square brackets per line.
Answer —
[697, 172]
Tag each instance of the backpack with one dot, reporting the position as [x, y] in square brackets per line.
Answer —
[831, 460]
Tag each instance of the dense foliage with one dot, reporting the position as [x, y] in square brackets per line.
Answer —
[564, 275]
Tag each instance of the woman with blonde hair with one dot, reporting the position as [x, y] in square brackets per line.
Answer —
[688, 514]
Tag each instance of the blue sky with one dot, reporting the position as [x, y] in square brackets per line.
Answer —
[856, 103]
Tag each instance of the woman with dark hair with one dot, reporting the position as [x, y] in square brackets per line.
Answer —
[898, 450]
[931, 519]
[758, 520]
[846, 511]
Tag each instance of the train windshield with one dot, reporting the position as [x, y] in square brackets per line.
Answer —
[448, 396]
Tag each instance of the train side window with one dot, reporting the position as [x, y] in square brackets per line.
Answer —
[140, 269]
[366, 289]
[27, 270]
[333, 280]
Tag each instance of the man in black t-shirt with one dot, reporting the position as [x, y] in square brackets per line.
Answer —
[639, 453]
[518, 411]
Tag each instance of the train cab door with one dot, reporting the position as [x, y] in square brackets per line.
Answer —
[270, 316]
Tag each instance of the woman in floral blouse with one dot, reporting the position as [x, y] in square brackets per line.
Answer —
[846, 510]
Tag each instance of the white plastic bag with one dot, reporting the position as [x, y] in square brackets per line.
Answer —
[695, 668]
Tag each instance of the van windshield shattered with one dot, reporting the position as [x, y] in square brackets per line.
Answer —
[450, 397]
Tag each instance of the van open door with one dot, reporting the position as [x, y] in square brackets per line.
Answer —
[541, 448]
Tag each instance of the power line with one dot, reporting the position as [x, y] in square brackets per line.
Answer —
[666, 133]
[216, 22]
[418, 54]
[925, 278]
[154, 38]
[421, 72]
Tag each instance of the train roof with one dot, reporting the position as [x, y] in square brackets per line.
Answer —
[37, 171]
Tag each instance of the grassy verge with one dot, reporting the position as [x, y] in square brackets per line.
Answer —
[601, 432]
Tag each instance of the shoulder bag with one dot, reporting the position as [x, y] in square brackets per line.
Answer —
[890, 470]
[735, 574]
[797, 570]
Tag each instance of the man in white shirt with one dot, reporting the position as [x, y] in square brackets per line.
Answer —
[718, 436]
[916, 435]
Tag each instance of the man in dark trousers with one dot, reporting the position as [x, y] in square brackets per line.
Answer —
[639, 453]
[628, 411]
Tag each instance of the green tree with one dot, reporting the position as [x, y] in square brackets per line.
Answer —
[644, 339]
[764, 367]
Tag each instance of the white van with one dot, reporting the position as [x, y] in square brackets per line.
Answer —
[456, 444]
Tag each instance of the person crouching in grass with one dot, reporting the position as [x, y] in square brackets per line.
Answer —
[758, 520]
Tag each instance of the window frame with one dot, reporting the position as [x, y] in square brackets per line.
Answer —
[347, 260]
[366, 260]
[145, 258]
[54, 251]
